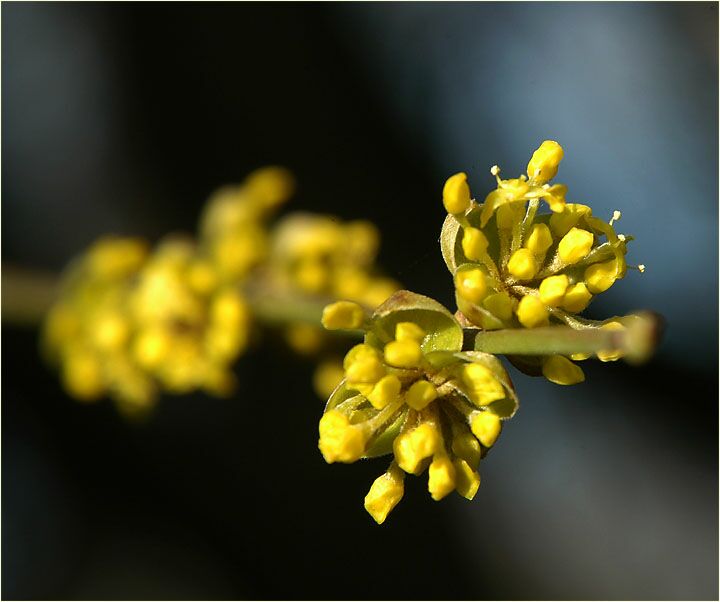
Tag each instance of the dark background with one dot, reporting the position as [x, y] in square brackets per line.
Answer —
[124, 117]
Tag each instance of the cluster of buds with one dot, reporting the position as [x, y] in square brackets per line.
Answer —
[410, 390]
[324, 257]
[131, 322]
[515, 267]
[424, 385]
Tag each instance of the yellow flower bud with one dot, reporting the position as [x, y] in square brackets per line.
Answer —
[82, 375]
[552, 289]
[481, 385]
[270, 186]
[312, 276]
[151, 346]
[386, 390]
[532, 312]
[412, 448]
[304, 338]
[340, 441]
[362, 240]
[470, 284]
[522, 264]
[343, 315]
[543, 165]
[467, 481]
[229, 310]
[456, 194]
[385, 493]
[365, 370]
[110, 331]
[561, 371]
[576, 298]
[409, 331]
[441, 478]
[327, 377]
[601, 276]
[474, 244]
[403, 354]
[361, 351]
[539, 240]
[112, 257]
[575, 245]
[486, 427]
[420, 394]
[500, 305]
[201, 277]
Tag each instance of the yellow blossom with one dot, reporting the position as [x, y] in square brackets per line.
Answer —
[340, 441]
[543, 165]
[575, 245]
[456, 194]
[532, 312]
[386, 491]
[562, 371]
[552, 289]
[522, 264]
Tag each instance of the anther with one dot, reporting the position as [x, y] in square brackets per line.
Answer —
[495, 170]
[615, 217]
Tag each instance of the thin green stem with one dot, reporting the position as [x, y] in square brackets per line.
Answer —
[637, 341]
[26, 294]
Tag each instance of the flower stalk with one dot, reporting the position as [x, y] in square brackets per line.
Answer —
[636, 343]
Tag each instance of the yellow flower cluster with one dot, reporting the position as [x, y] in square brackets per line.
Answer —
[323, 256]
[434, 410]
[233, 228]
[129, 323]
[516, 267]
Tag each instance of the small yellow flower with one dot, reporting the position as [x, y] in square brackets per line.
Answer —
[456, 194]
[552, 289]
[575, 245]
[471, 285]
[532, 312]
[340, 441]
[522, 264]
[474, 244]
[543, 165]
[343, 314]
[386, 491]
[562, 371]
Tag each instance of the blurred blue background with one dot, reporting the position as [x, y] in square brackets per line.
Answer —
[122, 118]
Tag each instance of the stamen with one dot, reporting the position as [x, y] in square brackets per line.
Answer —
[615, 217]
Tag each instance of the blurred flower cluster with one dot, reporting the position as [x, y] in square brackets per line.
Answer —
[131, 322]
